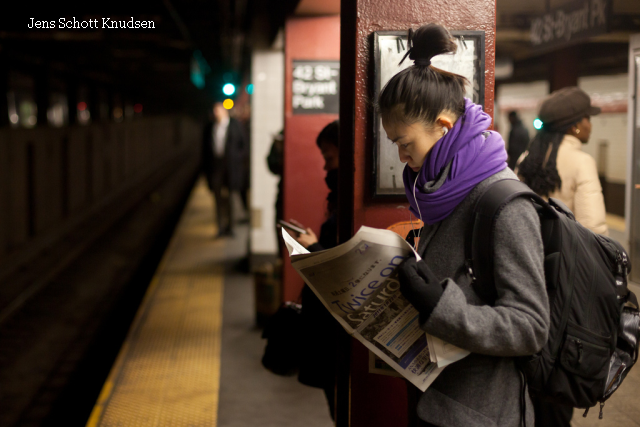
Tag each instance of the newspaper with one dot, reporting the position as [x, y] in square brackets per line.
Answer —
[357, 282]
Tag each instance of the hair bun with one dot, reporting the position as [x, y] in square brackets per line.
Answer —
[428, 41]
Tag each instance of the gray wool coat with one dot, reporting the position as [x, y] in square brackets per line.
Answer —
[484, 389]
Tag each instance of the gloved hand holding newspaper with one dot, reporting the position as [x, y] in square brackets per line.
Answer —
[357, 282]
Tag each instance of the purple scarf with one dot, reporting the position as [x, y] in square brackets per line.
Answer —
[473, 158]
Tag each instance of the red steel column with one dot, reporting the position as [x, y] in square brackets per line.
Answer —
[305, 190]
[368, 399]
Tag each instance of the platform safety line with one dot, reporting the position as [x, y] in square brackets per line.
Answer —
[216, 362]
[107, 388]
[110, 385]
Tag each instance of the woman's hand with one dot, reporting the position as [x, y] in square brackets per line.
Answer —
[305, 240]
[419, 286]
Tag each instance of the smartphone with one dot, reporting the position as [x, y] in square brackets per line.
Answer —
[292, 227]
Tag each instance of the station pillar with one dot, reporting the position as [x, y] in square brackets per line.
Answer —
[564, 66]
[363, 398]
[314, 40]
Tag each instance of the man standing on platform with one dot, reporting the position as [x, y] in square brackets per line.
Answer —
[518, 139]
[223, 147]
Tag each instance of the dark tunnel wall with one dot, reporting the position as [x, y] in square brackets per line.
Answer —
[51, 180]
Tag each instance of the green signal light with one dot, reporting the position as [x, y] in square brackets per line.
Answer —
[537, 123]
[228, 89]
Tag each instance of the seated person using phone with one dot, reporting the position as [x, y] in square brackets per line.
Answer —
[289, 226]
[307, 238]
[319, 343]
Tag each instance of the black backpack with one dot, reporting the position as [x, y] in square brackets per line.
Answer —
[593, 335]
[283, 331]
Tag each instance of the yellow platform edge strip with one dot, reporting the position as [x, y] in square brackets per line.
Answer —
[218, 345]
[107, 389]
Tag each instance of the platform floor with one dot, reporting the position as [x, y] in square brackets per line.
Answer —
[192, 357]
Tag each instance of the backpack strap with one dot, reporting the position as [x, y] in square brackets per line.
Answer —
[487, 208]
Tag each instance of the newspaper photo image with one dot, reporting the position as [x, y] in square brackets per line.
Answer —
[357, 282]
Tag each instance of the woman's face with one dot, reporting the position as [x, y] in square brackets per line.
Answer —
[414, 141]
[582, 130]
[331, 155]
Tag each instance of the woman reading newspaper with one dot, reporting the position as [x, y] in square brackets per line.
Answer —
[450, 159]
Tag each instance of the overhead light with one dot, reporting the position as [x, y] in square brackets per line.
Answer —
[537, 123]
[228, 89]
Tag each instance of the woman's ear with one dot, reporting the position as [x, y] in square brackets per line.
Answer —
[444, 121]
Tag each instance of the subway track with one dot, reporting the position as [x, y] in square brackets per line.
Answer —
[59, 338]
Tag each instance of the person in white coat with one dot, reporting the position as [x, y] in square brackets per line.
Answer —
[555, 165]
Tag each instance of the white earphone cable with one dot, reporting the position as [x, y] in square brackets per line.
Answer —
[415, 246]
[444, 132]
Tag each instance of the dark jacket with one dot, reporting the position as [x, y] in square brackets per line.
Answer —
[233, 164]
[322, 331]
[274, 162]
[319, 345]
[518, 142]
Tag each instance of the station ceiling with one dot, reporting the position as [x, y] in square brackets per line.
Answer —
[602, 54]
[157, 62]
[153, 62]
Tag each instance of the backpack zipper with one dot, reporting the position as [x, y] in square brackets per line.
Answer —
[615, 377]
[621, 277]
[468, 264]
[600, 416]
[622, 261]
[579, 344]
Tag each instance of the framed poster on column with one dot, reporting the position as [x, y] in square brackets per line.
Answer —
[389, 48]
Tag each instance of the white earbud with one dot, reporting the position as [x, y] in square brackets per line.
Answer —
[444, 130]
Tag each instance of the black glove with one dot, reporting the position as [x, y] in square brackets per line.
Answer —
[419, 286]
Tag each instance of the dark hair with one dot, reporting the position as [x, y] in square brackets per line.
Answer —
[538, 170]
[513, 114]
[330, 133]
[421, 92]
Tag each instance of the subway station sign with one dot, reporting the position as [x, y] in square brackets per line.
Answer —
[572, 22]
[315, 87]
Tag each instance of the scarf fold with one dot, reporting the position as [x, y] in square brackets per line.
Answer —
[469, 152]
